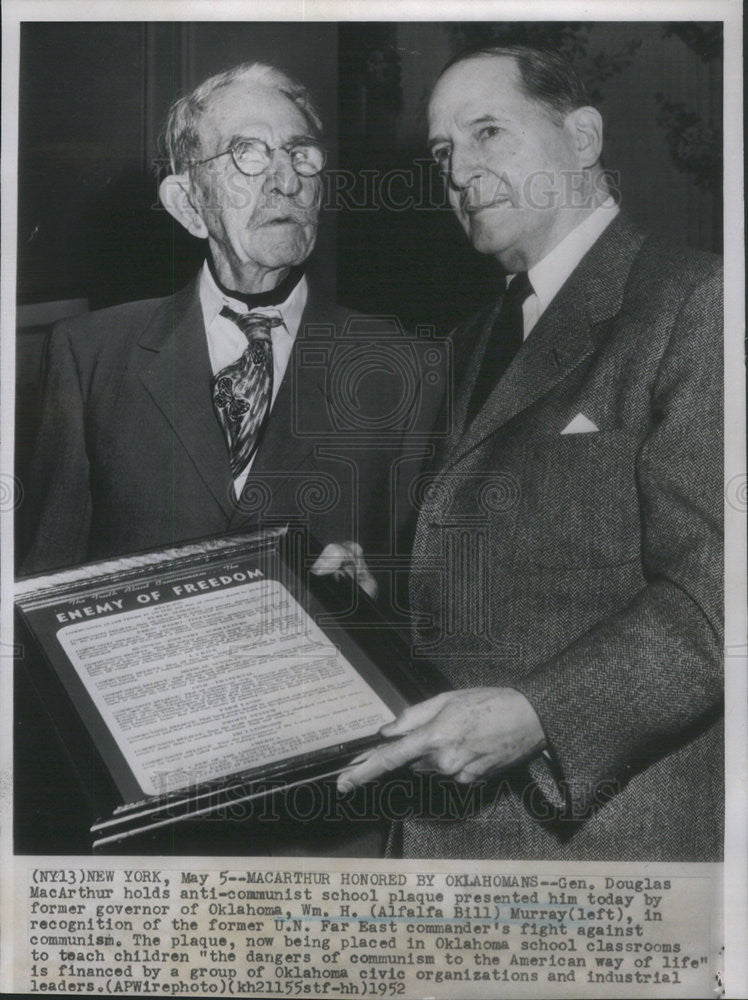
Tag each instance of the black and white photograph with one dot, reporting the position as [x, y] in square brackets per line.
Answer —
[374, 498]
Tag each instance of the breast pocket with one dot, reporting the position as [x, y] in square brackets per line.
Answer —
[579, 503]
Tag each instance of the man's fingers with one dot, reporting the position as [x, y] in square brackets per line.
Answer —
[414, 716]
[475, 769]
[424, 765]
[450, 761]
[348, 558]
[388, 757]
[366, 581]
[360, 571]
[465, 734]
[330, 559]
[359, 758]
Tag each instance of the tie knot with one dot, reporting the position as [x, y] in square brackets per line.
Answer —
[518, 289]
[254, 325]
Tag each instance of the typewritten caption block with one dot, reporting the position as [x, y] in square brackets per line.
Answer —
[260, 927]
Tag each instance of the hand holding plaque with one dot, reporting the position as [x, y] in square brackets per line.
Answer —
[212, 669]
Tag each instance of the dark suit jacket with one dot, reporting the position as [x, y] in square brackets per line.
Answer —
[585, 569]
[130, 455]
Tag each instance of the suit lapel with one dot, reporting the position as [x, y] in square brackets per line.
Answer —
[470, 341]
[564, 335]
[560, 340]
[177, 374]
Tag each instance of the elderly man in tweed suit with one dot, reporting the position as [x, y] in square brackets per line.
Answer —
[566, 572]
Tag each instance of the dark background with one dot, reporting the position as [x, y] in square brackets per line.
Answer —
[93, 98]
[94, 95]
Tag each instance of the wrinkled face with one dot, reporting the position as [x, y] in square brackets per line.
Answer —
[506, 161]
[264, 222]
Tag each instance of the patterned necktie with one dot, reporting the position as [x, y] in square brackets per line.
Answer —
[505, 340]
[242, 391]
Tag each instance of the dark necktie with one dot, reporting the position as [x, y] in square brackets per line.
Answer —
[505, 340]
[242, 391]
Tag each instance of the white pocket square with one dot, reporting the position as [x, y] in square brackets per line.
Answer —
[580, 425]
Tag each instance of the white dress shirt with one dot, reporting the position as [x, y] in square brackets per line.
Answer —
[227, 343]
[549, 274]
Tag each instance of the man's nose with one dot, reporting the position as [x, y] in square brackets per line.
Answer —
[281, 175]
[464, 166]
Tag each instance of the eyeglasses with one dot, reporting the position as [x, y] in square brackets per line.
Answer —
[254, 156]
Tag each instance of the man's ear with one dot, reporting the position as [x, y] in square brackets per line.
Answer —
[585, 127]
[174, 192]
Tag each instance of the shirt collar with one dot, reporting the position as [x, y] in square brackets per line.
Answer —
[550, 273]
[212, 300]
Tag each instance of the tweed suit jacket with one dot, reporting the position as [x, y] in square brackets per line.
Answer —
[130, 454]
[585, 569]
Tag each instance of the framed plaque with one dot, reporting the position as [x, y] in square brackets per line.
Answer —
[210, 674]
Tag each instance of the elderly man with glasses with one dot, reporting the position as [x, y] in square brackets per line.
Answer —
[242, 401]
[212, 410]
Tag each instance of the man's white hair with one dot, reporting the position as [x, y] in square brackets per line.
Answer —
[180, 139]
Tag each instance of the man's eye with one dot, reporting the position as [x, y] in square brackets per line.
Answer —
[249, 149]
[489, 132]
[441, 155]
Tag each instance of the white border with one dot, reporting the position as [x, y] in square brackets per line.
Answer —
[735, 913]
